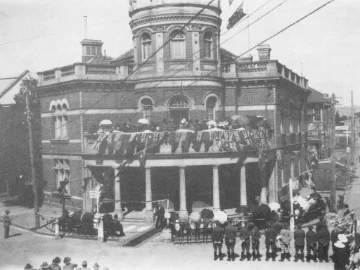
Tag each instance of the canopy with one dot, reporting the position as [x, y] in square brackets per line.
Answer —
[105, 122]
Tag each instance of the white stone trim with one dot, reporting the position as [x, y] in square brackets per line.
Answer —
[72, 197]
[49, 156]
[251, 108]
[70, 141]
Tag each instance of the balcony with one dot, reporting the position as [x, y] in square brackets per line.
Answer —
[260, 69]
[82, 71]
[121, 145]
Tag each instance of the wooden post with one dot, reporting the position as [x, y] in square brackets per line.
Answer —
[32, 160]
[333, 205]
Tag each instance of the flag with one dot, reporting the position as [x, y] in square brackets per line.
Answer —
[237, 16]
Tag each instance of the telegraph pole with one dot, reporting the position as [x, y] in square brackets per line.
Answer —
[31, 148]
[333, 204]
[352, 158]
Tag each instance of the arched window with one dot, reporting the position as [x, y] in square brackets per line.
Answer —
[179, 102]
[147, 107]
[208, 45]
[210, 108]
[58, 122]
[145, 46]
[177, 45]
[64, 122]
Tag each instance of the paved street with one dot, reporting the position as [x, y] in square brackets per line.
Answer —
[18, 250]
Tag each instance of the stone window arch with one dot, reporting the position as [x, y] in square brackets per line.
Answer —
[145, 46]
[208, 45]
[59, 109]
[178, 45]
[211, 107]
[146, 105]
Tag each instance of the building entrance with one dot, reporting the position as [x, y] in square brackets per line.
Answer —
[179, 108]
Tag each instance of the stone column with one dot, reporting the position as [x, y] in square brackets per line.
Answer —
[273, 186]
[243, 193]
[216, 190]
[148, 196]
[117, 191]
[264, 190]
[183, 211]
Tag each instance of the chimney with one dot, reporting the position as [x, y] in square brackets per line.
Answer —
[264, 52]
[91, 48]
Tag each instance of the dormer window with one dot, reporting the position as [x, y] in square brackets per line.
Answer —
[145, 46]
[177, 45]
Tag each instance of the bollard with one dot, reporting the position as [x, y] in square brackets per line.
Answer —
[57, 230]
[101, 231]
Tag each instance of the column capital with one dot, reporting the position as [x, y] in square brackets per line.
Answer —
[182, 167]
[216, 165]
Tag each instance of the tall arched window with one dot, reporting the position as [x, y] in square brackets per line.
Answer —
[58, 123]
[145, 46]
[147, 107]
[208, 45]
[177, 45]
[64, 122]
[210, 108]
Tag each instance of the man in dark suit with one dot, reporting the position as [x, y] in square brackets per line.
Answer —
[323, 244]
[255, 236]
[311, 240]
[7, 223]
[245, 243]
[270, 237]
[299, 239]
[160, 214]
[218, 239]
[230, 239]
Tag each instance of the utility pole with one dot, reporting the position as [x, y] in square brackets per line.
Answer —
[352, 158]
[31, 148]
[333, 204]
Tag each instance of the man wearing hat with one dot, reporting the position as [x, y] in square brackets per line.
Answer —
[299, 239]
[84, 266]
[159, 215]
[311, 238]
[55, 264]
[44, 266]
[323, 244]
[270, 237]
[7, 223]
[341, 256]
[245, 243]
[218, 238]
[230, 239]
[68, 265]
[96, 266]
[255, 236]
[285, 240]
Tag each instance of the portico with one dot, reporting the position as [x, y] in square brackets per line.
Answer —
[183, 166]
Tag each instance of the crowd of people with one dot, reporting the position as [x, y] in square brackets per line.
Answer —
[67, 265]
[195, 125]
[315, 242]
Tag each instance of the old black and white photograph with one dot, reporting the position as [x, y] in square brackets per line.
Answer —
[179, 134]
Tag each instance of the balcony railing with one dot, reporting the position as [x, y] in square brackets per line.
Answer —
[83, 71]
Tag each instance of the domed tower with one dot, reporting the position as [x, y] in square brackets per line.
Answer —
[182, 78]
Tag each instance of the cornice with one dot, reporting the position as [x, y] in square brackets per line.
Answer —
[164, 18]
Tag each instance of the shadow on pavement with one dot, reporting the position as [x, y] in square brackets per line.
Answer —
[15, 235]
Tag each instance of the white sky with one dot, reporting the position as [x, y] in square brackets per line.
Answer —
[327, 43]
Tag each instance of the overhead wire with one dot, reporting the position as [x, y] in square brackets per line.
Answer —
[153, 54]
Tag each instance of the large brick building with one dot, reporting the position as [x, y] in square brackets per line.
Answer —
[190, 77]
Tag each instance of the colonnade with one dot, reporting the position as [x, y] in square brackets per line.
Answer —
[182, 187]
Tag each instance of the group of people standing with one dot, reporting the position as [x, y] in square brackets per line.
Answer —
[277, 235]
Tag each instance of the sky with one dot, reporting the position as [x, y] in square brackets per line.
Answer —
[43, 34]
